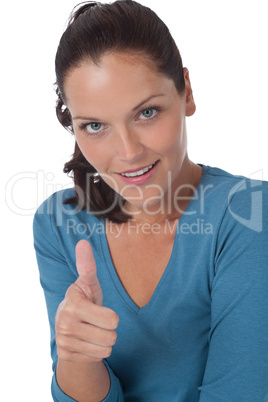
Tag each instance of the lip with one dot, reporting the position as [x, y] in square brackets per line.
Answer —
[136, 170]
[139, 179]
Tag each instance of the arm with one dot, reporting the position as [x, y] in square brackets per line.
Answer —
[83, 381]
[57, 278]
[237, 365]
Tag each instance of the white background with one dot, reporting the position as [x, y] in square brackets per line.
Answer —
[224, 46]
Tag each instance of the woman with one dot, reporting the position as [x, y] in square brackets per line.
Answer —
[154, 268]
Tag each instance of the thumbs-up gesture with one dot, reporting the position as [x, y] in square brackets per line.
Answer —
[85, 330]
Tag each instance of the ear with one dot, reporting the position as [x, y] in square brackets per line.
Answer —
[189, 99]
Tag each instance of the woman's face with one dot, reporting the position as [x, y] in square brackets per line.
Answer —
[129, 123]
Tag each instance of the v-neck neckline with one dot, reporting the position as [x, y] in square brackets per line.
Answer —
[173, 256]
[118, 284]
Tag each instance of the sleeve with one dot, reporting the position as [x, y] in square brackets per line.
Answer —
[55, 277]
[237, 365]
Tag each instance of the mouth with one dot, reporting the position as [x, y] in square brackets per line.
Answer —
[138, 173]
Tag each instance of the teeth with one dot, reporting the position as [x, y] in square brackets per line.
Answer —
[139, 173]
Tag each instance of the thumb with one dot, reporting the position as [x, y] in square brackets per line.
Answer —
[87, 271]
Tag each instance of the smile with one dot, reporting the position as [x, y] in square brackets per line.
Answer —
[139, 172]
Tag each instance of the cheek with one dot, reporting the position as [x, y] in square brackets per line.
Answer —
[99, 156]
[93, 152]
[170, 136]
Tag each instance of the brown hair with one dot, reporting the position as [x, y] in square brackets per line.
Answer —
[93, 29]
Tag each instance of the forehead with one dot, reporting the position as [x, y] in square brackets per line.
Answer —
[117, 76]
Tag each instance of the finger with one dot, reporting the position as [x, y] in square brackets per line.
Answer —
[87, 271]
[83, 310]
[77, 346]
[85, 262]
[90, 333]
[99, 316]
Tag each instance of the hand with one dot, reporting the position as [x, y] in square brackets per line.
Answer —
[85, 330]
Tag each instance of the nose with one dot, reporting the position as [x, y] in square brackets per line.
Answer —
[128, 145]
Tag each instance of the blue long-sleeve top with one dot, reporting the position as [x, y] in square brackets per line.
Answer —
[203, 336]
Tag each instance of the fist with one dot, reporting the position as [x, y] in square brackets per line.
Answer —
[85, 330]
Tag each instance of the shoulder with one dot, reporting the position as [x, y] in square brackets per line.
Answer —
[55, 202]
[57, 217]
[51, 211]
[238, 199]
[223, 181]
[240, 205]
[57, 228]
[236, 208]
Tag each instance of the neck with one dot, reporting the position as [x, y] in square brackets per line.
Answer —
[175, 200]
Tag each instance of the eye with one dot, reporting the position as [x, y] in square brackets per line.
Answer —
[148, 113]
[91, 128]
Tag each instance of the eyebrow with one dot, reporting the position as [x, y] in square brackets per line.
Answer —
[134, 109]
[145, 101]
